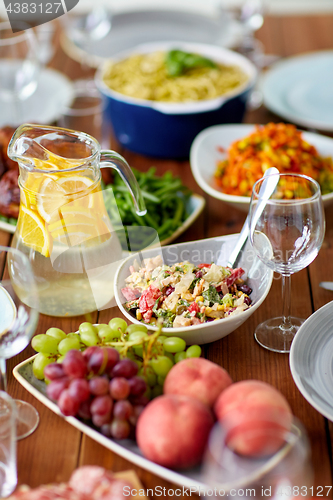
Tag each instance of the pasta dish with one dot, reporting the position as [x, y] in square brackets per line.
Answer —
[146, 76]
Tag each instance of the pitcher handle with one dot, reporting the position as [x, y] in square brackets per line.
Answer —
[114, 160]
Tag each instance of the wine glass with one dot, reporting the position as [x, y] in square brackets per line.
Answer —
[283, 472]
[18, 323]
[19, 69]
[286, 235]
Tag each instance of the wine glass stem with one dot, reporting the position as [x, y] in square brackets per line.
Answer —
[3, 375]
[286, 301]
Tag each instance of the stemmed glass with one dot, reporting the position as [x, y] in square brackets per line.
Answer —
[18, 323]
[19, 69]
[286, 235]
[284, 472]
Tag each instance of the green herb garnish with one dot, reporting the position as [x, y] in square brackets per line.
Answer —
[179, 62]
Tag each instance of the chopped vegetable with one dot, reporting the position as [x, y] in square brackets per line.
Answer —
[277, 145]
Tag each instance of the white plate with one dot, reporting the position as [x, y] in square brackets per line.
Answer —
[53, 94]
[142, 26]
[125, 448]
[311, 360]
[194, 207]
[205, 154]
[300, 90]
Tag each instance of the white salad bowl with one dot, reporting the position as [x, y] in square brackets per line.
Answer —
[217, 250]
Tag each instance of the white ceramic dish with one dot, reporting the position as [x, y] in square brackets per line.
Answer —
[311, 360]
[125, 448]
[205, 154]
[194, 207]
[151, 25]
[300, 90]
[53, 94]
[258, 277]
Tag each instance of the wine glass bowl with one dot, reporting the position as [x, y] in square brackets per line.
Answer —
[19, 68]
[277, 474]
[286, 236]
[18, 322]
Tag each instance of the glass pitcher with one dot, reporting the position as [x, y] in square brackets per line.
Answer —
[63, 226]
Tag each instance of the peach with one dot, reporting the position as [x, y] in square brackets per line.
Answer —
[255, 416]
[173, 431]
[198, 378]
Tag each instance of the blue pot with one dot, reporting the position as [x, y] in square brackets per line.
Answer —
[167, 130]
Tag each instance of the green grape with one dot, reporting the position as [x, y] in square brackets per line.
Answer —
[60, 359]
[117, 324]
[100, 326]
[56, 333]
[138, 350]
[170, 356]
[136, 328]
[156, 391]
[161, 365]
[194, 351]
[137, 336]
[105, 333]
[174, 344]
[179, 356]
[73, 335]
[88, 334]
[39, 363]
[160, 339]
[160, 380]
[149, 375]
[68, 344]
[44, 343]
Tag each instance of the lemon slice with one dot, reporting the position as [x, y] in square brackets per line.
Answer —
[79, 233]
[76, 184]
[50, 197]
[33, 232]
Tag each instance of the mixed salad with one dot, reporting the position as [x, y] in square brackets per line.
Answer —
[184, 294]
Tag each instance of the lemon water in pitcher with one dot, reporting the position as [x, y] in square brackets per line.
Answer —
[63, 226]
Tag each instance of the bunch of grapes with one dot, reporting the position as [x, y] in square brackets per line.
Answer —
[154, 354]
[97, 385]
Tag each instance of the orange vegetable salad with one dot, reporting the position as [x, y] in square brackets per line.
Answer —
[277, 145]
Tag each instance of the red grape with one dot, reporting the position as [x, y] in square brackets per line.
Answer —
[100, 420]
[137, 385]
[74, 364]
[119, 388]
[54, 371]
[126, 368]
[84, 410]
[99, 386]
[120, 429]
[55, 388]
[137, 410]
[101, 405]
[79, 389]
[122, 409]
[68, 406]
[89, 351]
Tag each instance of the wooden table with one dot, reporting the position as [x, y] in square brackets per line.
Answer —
[56, 448]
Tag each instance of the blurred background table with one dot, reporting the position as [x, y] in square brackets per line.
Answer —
[56, 448]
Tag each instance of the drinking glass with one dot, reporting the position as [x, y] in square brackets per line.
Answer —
[286, 235]
[8, 469]
[19, 69]
[17, 324]
[285, 472]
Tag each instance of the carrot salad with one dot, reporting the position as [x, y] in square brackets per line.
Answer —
[277, 145]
